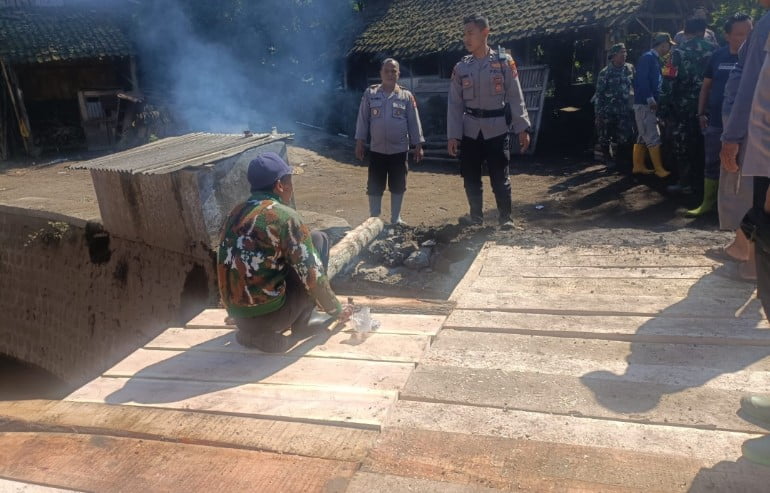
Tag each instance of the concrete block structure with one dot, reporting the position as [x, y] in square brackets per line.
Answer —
[176, 192]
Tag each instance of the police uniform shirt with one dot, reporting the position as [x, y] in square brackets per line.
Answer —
[484, 84]
[392, 120]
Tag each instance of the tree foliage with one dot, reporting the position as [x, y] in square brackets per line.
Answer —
[726, 8]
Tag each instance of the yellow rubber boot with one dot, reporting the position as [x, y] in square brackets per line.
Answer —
[640, 156]
[710, 189]
[657, 162]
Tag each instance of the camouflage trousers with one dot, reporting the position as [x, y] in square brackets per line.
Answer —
[615, 129]
[687, 150]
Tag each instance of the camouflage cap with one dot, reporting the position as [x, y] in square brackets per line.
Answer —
[616, 48]
[659, 38]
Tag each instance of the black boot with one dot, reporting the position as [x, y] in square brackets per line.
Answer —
[476, 216]
[504, 211]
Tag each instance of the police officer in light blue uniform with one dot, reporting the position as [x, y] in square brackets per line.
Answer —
[388, 113]
[482, 84]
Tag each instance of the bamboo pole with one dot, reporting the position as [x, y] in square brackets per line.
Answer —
[351, 245]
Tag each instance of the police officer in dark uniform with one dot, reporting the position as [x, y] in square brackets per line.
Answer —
[483, 84]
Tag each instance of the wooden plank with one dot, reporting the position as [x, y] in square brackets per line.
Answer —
[9, 486]
[96, 463]
[492, 270]
[730, 368]
[366, 409]
[390, 323]
[620, 304]
[367, 482]
[509, 261]
[525, 464]
[283, 437]
[473, 272]
[675, 289]
[709, 447]
[598, 394]
[189, 427]
[228, 367]
[393, 323]
[724, 331]
[381, 304]
[375, 347]
[496, 250]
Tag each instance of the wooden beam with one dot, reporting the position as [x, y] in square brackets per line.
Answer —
[21, 114]
[352, 244]
[134, 78]
[644, 26]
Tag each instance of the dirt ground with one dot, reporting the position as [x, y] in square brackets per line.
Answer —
[557, 201]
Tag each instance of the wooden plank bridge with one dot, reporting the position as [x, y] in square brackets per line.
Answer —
[562, 369]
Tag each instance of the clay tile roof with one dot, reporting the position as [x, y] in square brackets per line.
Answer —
[414, 28]
[46, 34]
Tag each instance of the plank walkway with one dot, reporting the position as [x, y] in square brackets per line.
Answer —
[585, 370]
[591, 370]
[347, 379]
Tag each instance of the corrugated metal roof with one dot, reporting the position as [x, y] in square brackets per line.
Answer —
[175, 153]
[53, 34]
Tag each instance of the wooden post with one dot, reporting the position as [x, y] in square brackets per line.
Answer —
[4, 143]
[18, 108]
[132, 71]
[352, 244]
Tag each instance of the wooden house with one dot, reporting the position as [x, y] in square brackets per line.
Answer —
[61, 69]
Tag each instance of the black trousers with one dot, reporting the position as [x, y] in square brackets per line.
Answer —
[494, 152]
[761, 220]
[387, 168]
[299, 304]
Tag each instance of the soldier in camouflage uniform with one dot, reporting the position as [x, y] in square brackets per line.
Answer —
[614, 104]
[689, 63]
[270, 267]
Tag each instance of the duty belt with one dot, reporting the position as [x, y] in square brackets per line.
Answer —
[478, 113]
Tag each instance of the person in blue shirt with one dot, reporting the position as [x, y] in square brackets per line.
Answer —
[723, 61]
[647, 86]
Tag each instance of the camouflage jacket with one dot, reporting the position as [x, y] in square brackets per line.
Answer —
[260, 241]
[690, 61]
[614, 90]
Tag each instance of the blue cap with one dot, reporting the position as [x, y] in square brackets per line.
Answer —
[266, 169]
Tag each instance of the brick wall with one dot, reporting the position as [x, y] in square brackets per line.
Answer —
[74, 300]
